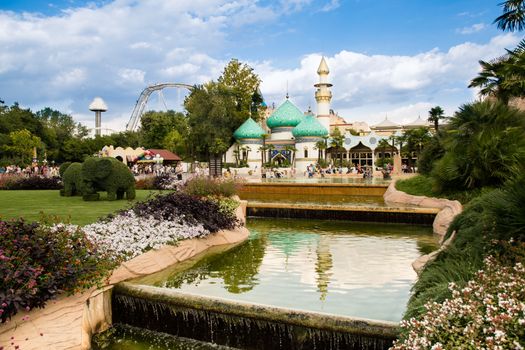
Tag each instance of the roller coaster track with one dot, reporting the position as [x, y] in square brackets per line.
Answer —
[143, 101]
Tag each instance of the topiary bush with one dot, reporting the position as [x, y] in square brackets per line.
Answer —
[39, 262]
[63, 168]
[107, 174]
[72, 179]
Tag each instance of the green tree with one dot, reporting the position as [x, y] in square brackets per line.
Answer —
[291, 149]
[210, 118]
[337, 140]
[125, 139]
[243, 84]
[416, 141]
[21, 146]
[484, 145]
[320, 146]
[155, 126]
[435, 115]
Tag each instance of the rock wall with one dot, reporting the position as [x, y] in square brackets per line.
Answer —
[448, 211]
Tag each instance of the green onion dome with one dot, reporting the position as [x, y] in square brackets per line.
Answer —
[249, 130]
[286, 115]
[310, 126]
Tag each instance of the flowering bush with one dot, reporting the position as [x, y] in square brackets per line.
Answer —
[128, 235]
[204, 186]
[166, 182]
[38, 262]
[164, 219]
[145, 184]
[186, 209]
[488, 313]
[35, 183]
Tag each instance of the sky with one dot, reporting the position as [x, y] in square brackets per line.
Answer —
[395, 58]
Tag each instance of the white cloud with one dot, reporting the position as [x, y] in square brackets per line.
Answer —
[116, 50]
[366, 87]
[472, 29]
[133, 76]
[331, 5]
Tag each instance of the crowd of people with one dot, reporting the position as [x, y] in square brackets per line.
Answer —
[43, 170]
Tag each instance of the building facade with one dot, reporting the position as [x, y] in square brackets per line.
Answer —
[292, 138]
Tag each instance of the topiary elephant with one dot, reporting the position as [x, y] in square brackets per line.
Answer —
[72, 180]
[107, 174]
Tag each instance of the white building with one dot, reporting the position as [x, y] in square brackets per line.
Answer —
[294, 135]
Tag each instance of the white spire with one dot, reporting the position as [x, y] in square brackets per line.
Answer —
[323, 67]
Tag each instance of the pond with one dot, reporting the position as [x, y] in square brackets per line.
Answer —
[336, 267]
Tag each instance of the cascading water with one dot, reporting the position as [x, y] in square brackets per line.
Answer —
[244, 326]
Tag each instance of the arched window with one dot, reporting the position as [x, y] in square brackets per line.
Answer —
[305, 153]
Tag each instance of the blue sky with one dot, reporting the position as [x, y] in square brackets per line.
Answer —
[387, 57]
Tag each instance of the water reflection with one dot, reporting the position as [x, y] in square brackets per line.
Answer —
[355, 269]
[237, 269]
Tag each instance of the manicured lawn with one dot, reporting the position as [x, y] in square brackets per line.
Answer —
[32, 204]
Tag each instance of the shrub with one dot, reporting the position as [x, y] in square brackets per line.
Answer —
[498, 215]
[34, 183]
[488, 313]
[38, 262]
[203, 186]
[166, 182]
[485, 141]
[187, 209]
[147, 183]
[6, 181]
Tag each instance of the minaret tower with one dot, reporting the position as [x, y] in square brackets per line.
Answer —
[323, 95]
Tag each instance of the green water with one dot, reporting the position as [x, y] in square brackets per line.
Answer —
[121, 337]
[337, 267]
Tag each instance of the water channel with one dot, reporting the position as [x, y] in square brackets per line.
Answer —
[335, 267]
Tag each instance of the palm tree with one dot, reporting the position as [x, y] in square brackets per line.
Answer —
[485, 142]
[270, 148]
[513, 17]
[434, 115]
[292, 150]
[320, 146]
[337, 143]
[382, 145]
[503, 77]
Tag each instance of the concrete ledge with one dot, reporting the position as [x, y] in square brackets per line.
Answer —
[275, 315]
[69, 321]
[447, 212]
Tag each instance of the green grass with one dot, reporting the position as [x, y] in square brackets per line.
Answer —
[31, 205]
[422, 185]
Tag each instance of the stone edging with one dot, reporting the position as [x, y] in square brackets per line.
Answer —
[448, 211]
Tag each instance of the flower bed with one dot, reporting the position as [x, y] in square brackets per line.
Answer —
[37, 262]
[164, 219]
[488, 313]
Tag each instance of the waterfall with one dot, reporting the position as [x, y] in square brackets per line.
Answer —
[243, 325]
